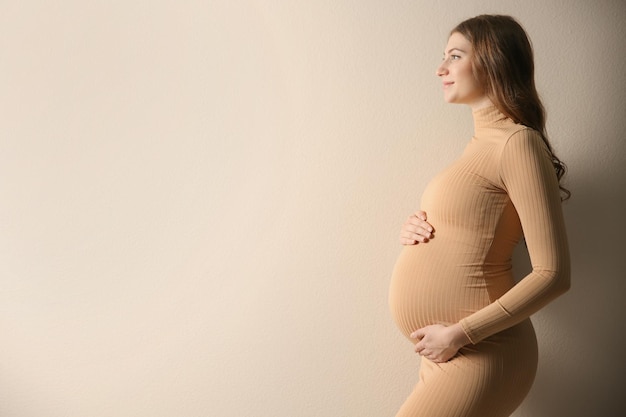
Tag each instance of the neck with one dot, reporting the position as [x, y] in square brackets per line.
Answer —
[481, 103]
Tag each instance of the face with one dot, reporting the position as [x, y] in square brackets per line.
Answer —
[459, 83]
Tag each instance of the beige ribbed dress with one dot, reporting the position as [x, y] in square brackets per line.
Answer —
[502, 188]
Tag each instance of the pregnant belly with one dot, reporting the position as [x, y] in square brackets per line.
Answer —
[432, 285]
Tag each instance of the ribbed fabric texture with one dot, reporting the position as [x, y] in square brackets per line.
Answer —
[502, 188]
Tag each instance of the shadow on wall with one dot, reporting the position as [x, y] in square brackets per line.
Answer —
[581, 337]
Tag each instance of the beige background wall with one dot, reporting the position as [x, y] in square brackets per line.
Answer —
[200, 202]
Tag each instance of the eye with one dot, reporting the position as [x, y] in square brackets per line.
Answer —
[452, 58]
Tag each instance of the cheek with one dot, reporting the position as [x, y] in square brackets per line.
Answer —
[469, 79]
[467, 73]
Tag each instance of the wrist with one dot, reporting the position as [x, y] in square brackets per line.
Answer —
[458, 336]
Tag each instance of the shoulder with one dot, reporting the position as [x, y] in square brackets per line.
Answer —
[524, 140]
[526, 155]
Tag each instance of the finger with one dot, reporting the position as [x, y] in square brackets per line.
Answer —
[421, 228]
[418, 334]
[421, 214]
[414, 221]
[416, 233]
[408, 238]
[426, 227]
[413, 237]
[418, 225]
[420, 239]
[423, 231]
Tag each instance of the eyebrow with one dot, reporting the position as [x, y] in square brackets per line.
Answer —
[455, 49]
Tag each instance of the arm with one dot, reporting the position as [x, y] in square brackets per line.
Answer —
[529, 179]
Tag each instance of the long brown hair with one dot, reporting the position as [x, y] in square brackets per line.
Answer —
[504, 66]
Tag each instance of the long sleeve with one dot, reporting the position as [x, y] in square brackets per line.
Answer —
[527, 175]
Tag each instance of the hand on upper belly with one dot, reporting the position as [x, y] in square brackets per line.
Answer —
[416, 229]
[439, 343]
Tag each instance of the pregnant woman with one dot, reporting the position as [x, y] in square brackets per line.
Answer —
[452, 291]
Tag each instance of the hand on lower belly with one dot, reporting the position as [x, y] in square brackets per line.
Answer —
[439, 343]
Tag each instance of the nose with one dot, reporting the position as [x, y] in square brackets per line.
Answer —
[442, 69]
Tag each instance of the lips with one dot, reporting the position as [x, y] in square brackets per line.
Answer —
[447, 84]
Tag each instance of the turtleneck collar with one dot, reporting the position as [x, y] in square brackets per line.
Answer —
[488, 118]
